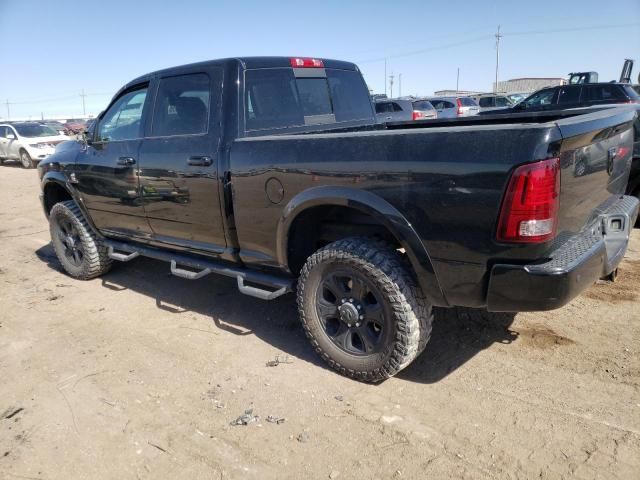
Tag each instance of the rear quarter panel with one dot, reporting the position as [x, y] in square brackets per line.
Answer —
[447, 182]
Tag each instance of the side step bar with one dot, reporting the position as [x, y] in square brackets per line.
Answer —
[123, 252]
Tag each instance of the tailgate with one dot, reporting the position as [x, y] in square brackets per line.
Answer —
[595, 160]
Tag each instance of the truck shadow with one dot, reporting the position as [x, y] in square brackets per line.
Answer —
[458, 334]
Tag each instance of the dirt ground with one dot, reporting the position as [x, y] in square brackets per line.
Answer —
[140, 375]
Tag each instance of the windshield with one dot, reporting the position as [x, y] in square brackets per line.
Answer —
[516, 97]
[35, 131]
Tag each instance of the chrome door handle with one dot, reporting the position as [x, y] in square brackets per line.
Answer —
[126, 161]
[200, 161]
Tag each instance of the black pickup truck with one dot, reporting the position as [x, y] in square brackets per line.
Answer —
[273, 171]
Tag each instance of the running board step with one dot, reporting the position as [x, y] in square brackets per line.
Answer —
[121, 257]
[275, 285]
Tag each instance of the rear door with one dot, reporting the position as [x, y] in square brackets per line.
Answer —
[107, 170]
[179, 161]
[384, 111]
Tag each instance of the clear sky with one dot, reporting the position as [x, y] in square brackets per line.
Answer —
[54, 50]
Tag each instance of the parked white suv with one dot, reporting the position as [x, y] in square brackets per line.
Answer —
[28, 142]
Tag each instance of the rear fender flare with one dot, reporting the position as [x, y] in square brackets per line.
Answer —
[375, 206]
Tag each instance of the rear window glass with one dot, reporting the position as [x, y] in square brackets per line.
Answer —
[468, 102]
[422, 105]
[384, 107]
[274, 98]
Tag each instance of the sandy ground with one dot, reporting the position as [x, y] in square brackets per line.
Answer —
[140, 375]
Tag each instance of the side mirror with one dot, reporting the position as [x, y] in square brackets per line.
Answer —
[11, 136]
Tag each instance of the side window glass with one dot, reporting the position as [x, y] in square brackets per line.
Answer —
[396, 107]
[502, 102]
[485, 102]
[123, 119]
[182, 106]
[541, 98]
[448, 105]
[568, 95]
[383, 107]
[3, 132]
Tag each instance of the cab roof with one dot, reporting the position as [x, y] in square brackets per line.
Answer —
[245, 62]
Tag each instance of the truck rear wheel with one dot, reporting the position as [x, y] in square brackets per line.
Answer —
[78, 248]
[362, 309]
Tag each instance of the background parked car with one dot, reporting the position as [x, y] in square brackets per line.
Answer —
[574, 96]
[491, 101]
[74, 126]
[57, 126]
[28, 142]
[452, 107]
[402, 110]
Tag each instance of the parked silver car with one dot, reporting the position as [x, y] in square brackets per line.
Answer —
[493, 101]
[452, 107]
[403, 109]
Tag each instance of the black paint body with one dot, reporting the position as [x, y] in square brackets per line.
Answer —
[436, 186]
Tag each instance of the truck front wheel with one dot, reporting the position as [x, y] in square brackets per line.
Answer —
[78, 248]
[362, 309]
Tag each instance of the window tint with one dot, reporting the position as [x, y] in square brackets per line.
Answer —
[350, 95]
[3, 132]
[541, 98]
[314, 96]
[274, 98]
[422, 105]
[568, 95]
[271, 99]
[396, 107]
[486, 102]
[468, 102]
[182, 106]
[631, 93]
[502, 102]
[605, 93]
[384, 107]
[122, 120]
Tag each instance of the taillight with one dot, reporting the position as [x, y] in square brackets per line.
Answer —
[529, 212]
[306, 63]
[418, 115]
[459, 103]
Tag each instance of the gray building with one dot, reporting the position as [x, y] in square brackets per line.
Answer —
[529, 84]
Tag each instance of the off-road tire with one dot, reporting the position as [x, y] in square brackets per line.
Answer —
[411, 316]
[95, 260]
[25, 159]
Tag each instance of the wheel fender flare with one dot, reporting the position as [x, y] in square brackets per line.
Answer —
[59, 178]
[371, 204]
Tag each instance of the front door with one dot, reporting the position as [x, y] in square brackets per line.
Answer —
[107, 170]
[179, 161]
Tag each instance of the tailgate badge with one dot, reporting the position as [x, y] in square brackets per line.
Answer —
[611, 156]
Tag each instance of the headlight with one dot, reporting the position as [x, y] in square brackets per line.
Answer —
[40, 145]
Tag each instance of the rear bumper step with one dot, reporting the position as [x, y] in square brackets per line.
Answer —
[277, 285]
[588, 256]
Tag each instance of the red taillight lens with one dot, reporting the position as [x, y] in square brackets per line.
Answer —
[529, 212]
[418, 115]
[306, 63]
[459, 103]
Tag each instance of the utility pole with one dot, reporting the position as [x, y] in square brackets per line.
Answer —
[498, 37]
[385, 76]
[391, 77]
[8, 110]
[457, 80]
[84, 110]
[399, 84]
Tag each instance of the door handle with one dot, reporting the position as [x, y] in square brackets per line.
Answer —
[200, 161]
[126, 161]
